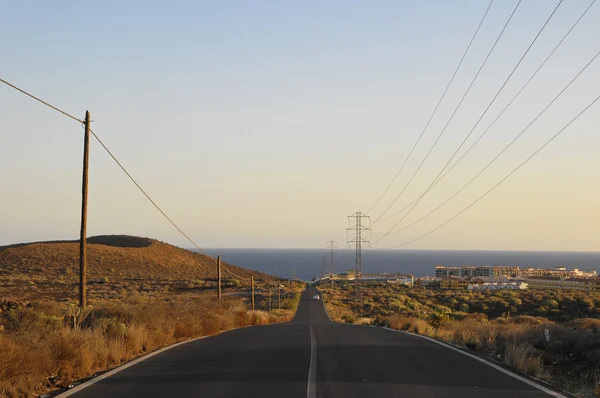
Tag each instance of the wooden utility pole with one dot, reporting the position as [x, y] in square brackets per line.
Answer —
[84, 202]
[219, 276]
[252, 278]
[269, 298]
[294, 278]
[278, 295]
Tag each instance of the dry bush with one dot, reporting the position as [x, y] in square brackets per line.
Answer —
[586, 323]
[41, 350]
[259, 317]
[410, 324]
[524, 358]
[569, 360]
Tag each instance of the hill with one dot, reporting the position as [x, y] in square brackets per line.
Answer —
[115, 263]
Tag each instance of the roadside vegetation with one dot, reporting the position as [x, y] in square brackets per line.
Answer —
[45, 347]
[553, 336]
[143, 295]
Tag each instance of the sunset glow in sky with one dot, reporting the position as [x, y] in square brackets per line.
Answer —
[265, 124]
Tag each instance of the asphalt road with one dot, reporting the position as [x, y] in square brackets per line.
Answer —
[275, 361]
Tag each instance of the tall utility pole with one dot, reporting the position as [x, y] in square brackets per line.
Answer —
[278, 295]
[84, 202]
[252, 279]
[331, 244]
[219, 277]
[294, 278]
[269, 287]
[356, 232]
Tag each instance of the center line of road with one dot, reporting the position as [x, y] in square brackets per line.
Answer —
[311, 390]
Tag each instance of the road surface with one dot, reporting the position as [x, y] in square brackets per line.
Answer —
[311, 357]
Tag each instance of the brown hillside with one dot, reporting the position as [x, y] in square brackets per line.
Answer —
[114, 259]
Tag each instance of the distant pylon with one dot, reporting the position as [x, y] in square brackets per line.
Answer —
[331, 244]
[355, 231]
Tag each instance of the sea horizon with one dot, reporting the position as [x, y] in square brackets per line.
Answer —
[420, 262]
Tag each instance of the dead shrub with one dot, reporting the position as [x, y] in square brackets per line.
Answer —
[524, 358]
[259, 317]
[586, 323]
[40, 349]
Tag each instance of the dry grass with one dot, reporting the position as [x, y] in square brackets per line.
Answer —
[116, 265]
[569, 360]
[41, 351]
[409, 324]
[524, 358]
[145, 295]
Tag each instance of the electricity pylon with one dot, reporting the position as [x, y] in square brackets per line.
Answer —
[331, 244]
[356, 231]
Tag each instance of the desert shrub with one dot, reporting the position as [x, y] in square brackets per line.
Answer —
[586, 323]
[40, 349]
[552, 304]
[259, 317]
[491, 327]
[410, 324]
[524, 358]
[528, 320]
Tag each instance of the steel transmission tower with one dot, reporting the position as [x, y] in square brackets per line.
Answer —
[331, 245]
[356, 232]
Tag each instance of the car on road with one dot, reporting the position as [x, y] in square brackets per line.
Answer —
[316, 297]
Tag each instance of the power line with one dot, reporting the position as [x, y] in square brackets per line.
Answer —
[478, 121]
[453, 113]
[114, 158]
[435, 109]
[501, 113]
[39, 100]
[501, 181]
[358, 229]
[234, 274]
[519, 92]
[146, 195]
[503, 150]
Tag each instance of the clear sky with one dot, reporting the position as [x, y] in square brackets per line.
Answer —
[265, 124]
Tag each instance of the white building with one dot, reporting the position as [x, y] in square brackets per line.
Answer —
[403, 279]
[498, 286]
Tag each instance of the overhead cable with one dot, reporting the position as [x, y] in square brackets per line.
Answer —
[501, 181]
[114, 158]
[478, 121]
[452, 116]
[435, 109]
[503, 150]
[501, 113]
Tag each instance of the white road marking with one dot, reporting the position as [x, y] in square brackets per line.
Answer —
[325, 307]
[311, 390]
[499, 368]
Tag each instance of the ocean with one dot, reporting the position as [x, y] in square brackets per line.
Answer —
[307, 262]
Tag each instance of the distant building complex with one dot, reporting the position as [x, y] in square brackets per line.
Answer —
[403, 279]
[513, 272]
[557, 282]
[486, 278]
[490, 277]
[473, 271]
[498, 286]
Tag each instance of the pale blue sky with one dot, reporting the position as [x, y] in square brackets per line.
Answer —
[264, 124]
